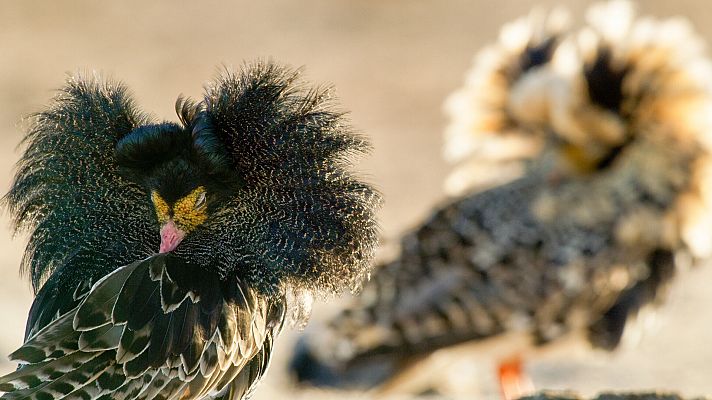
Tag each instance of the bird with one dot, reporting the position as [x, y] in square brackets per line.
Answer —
[611, 197]
[168, 256]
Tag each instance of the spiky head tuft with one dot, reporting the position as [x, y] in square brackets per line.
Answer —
[299, 216]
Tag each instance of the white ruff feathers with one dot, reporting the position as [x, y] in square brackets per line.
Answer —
[506, 111]
[505, 115]
[491, 130]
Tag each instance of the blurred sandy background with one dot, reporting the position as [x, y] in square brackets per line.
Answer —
[392, 61]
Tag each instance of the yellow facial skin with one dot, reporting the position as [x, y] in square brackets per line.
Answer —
[188, 212]
[162, 209]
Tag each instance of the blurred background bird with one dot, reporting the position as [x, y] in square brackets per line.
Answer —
[650, 395]
[596, 143]
[167, 256]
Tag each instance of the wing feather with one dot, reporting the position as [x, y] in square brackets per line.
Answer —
[183, 353]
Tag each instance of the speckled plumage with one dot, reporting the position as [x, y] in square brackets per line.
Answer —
[284, 218]
[589, 233]
[610, 396]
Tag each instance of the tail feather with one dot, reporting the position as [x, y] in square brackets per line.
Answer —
[308, 368]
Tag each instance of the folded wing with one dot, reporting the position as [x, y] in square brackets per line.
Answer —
[156, 328]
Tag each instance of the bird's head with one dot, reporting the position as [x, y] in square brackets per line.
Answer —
[633, 124]
[254, 181]
[179, 217]
[635, 93]
[185, 186]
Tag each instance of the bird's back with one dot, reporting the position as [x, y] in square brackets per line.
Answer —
[487, 264]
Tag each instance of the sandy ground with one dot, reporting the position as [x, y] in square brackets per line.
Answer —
[392, 61]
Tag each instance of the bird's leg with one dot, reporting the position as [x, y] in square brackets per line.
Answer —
[513, 381]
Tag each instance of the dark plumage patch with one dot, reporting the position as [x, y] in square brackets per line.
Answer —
[605, 81]
[537, 55]
[84, 219]
[607, 332]
[310, 370]
[149, 146]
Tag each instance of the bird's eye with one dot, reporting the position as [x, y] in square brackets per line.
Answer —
[200, 201]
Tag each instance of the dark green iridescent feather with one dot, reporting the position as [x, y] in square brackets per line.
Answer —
[84, 219]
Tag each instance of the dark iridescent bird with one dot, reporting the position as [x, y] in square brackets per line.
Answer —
[614, 193]
[167, 256]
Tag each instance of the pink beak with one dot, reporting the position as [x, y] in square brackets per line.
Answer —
[171, 236]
